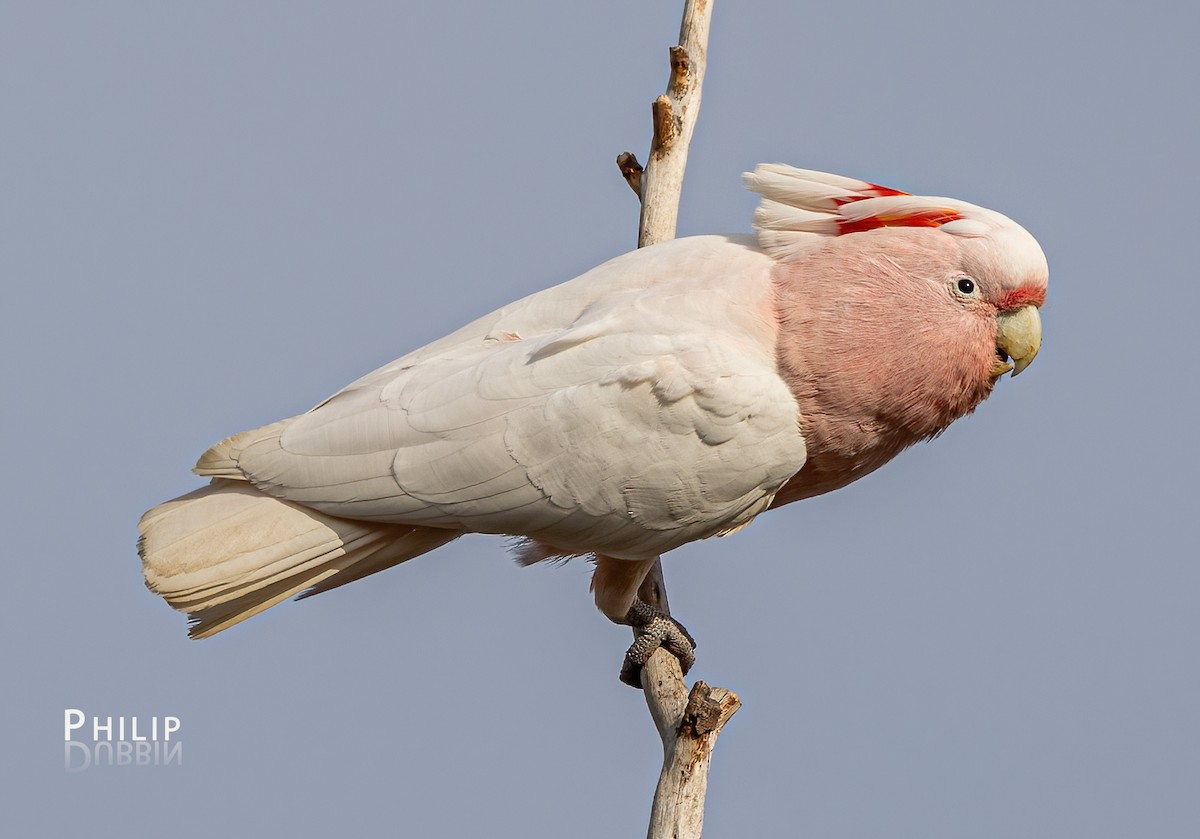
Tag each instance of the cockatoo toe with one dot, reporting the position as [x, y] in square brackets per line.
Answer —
[655, 629]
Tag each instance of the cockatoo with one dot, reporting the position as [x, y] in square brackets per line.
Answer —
[669, 395]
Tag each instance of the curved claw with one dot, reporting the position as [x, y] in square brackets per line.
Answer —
[655, 629]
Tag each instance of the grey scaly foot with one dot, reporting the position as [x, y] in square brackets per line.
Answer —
[654, 629]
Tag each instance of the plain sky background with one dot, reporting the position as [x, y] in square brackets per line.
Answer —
[214, 215]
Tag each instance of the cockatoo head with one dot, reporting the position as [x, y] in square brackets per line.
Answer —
[898, 313]
[1002, 265]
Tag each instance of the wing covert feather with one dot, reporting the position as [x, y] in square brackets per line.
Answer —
[631, 410]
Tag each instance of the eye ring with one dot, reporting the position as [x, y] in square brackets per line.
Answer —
[965, 285]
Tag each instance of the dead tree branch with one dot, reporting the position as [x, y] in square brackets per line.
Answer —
[688, 722]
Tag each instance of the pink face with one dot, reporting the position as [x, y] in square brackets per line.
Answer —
[889, 335]
[897, 313]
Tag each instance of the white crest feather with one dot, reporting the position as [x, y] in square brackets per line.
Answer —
[801, 206]
[805, 187]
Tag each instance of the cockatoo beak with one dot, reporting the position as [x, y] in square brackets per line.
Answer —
[1018, 337]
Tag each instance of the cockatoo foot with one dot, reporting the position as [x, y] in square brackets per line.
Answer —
[655, 629]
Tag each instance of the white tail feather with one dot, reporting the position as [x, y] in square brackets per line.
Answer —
[228, 551]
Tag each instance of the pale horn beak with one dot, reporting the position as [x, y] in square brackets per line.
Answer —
[1019, 337]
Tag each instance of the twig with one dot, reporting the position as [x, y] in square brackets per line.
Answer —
[631, 170]
[674, 118]
[678, 808]
[688, 722]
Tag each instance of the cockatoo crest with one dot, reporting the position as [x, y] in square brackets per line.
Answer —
[800, 207]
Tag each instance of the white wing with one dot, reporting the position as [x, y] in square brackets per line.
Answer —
[628, 411]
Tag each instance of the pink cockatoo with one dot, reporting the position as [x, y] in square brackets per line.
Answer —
[669, 395]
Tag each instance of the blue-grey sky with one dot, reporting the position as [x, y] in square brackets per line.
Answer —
[214, 215]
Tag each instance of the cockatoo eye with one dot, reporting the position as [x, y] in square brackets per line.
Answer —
[966, 285]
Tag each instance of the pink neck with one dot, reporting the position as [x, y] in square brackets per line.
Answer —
[876, 352]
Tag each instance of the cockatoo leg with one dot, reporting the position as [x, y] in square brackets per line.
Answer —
[654, 629]
[615, 584]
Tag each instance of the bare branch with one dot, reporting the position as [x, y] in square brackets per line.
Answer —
[678, 809]
[674, 118]
[688, 722]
